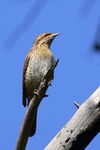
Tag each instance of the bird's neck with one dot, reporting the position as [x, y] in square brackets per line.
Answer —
[43, 46]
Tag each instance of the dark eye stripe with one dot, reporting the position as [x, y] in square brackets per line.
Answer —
[47, 34]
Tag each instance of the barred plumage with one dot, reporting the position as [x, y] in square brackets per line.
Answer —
[37, 63]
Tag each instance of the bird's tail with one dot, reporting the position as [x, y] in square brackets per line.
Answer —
[33, 126]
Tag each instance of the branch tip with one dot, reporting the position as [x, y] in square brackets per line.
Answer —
[76, 104]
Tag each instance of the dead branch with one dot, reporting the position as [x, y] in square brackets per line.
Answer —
[34, 103]
[81, 129]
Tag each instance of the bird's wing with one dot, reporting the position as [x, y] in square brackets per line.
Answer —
[23, 80]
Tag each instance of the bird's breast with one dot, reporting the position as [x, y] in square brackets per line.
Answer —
[38, 66]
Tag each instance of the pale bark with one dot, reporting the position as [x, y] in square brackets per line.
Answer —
[81, 129]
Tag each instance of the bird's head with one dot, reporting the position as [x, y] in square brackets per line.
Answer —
[46, 38]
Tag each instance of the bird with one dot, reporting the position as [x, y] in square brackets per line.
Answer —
[38, 61]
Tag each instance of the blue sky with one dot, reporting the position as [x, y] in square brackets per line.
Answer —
[77, 75]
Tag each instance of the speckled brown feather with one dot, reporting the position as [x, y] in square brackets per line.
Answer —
[37, 63]
[23, 80]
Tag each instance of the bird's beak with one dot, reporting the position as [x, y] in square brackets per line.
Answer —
[51, 38]
[55, 34]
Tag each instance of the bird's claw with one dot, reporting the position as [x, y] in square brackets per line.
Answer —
[36, 92]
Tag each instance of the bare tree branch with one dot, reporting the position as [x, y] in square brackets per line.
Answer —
[81, 129]
[33, 106]
[76, 104]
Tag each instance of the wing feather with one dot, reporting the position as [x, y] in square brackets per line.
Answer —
[23, 80]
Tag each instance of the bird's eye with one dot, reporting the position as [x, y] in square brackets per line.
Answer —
[42, 37]
[47, 34]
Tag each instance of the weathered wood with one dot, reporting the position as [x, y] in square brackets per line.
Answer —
[33, 106]
[81, 129]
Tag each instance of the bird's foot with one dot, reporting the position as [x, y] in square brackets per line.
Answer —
[36, 92]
